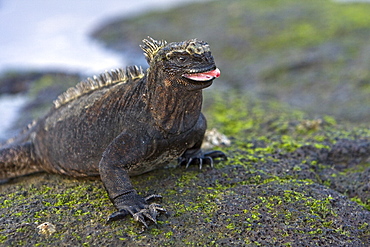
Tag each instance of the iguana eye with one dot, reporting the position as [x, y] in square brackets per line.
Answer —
[181, 59]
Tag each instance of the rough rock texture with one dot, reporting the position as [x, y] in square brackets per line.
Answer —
[280, 186]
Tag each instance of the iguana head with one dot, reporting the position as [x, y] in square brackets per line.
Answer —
[188, 63]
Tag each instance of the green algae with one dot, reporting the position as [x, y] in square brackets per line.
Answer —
[365, 204]
[256, 148]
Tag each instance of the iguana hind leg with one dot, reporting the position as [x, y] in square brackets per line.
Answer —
[17, 160]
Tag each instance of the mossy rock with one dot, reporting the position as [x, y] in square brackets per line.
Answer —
[278, 187]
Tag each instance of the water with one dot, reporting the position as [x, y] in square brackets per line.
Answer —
[53, 34]
[9, 106]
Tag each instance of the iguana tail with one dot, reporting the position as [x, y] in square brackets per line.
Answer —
[17, 160]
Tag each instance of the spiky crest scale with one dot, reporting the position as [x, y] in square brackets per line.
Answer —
[151, 47]
[106, 79]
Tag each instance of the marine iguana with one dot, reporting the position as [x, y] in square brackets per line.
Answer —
[123, 123]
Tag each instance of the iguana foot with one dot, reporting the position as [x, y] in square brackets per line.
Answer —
[138, 207]
[199, 157]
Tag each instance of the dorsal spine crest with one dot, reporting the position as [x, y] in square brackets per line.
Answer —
[151, 47]
[106, 79]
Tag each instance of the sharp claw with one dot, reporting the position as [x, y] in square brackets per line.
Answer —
[142, 220]
[201, 158]
[117, 215]
[152, 197]
[210, 160]
[139, 216]
[150, 216]
[157, 207]
[189, 162]
[139, 208]
[150, 213]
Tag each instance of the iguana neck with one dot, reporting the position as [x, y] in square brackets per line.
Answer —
[174, 109]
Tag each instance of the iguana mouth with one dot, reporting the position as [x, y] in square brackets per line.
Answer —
[203, 76]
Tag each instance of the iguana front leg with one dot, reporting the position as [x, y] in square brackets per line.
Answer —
[123, 155]
[195, 154]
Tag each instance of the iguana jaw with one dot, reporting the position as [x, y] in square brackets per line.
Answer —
[203, 76]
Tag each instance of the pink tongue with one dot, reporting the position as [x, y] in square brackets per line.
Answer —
[205, 76]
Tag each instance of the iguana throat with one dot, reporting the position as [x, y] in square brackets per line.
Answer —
[177, 74]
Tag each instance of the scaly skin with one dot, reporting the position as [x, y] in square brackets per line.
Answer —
[123, 123]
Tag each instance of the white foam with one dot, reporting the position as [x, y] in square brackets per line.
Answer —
[52, 34]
